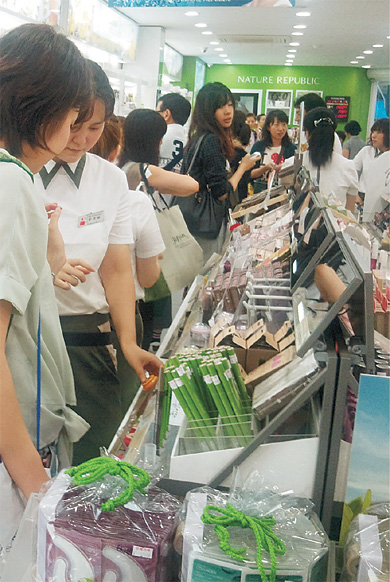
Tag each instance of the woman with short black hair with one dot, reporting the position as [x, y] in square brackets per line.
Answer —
[353, 144]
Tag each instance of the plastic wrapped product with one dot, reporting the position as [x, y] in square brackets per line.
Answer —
[83, 536]
[367, 549]
[254, 534]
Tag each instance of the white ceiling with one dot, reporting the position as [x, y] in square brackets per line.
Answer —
[337, 32]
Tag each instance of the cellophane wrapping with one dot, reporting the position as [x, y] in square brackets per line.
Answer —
[79, 541]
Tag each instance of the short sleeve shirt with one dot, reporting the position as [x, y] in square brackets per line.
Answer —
[25, 282]
[148, 241]
[96, 214]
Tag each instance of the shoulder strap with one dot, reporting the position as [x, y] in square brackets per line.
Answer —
[195, 153]
[149, 189]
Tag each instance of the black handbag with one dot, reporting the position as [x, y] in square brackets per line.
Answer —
[204, 214]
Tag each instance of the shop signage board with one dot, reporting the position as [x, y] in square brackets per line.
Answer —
[182, 3]
[339, 106]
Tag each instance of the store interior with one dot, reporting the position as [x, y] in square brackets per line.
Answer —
[273, 399]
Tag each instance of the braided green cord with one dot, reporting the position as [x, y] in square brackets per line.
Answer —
[266, 539]
[95, 469]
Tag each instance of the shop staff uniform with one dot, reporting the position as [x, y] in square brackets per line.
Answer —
[26, 282]
[96, 213]
[337, 177]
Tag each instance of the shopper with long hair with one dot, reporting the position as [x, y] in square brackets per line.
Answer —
[45, 85]
[208, 153]
[335, 174]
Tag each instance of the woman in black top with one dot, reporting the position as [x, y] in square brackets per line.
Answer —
[241, 134]
[212, 119]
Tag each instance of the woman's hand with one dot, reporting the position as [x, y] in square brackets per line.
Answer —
[73, 272]
[55, 245]
[141, 360]
[247, 162]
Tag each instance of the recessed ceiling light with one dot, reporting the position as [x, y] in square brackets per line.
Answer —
[207, 32]
[377, 45]
[297, 34]
[223, 55]
[299, 26]
[290, 56]
[354, 62]
[366, 66]
[191, 13]
[294, 44]
[288, 64]
[228, 61]
[303, 13]
[388, 37]
[219, 49]
[201, 25]
[368, 52]
[292, 50]
[214, 42]
[360, 57]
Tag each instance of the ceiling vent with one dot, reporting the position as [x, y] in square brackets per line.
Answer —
[254, 39]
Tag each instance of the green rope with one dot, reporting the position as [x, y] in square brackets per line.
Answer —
[266, 539]
[95, 469]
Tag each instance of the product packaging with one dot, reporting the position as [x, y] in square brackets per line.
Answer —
[367, 548]
[84, 535]
[252, 534]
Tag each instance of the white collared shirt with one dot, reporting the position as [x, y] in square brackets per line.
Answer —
[96, 214]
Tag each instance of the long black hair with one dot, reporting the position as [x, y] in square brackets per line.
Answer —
[320, 123]
[211, 97]
[142, 133]
[266, 134]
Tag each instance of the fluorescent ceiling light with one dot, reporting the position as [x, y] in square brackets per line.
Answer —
[366, 66]
[292, 50]
[303, 14]
[201, 25]
[207, 32]
[297, 34]
[214, 42]
[223, 55]
[191, 13]
[299, 26]
[294, 44]
[368, 52]
[354, 62]
[377, 45]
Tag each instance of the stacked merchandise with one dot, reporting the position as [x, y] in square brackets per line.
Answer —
[84, 533]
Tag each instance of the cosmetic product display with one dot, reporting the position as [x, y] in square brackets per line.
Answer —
[212, 394]
[116, 528]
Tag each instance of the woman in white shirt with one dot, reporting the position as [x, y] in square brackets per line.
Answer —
[335, 174]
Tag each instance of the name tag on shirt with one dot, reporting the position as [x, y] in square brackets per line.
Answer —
[91, 218]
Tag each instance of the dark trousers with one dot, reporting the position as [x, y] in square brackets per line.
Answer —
[97, 386]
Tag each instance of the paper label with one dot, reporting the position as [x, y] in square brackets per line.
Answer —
[215, 380]
[142, 552]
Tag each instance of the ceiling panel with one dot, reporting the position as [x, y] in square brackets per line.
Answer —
[336, 32]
